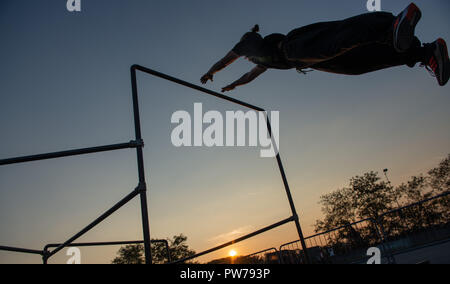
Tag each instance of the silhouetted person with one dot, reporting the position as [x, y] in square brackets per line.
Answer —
[354, 46]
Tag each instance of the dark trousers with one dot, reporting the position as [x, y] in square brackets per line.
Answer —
[353, 46]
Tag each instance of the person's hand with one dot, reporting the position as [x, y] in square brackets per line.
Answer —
[228, 88]
[206, 77]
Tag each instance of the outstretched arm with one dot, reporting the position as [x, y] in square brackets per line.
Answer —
[247, 78]
[224, 62]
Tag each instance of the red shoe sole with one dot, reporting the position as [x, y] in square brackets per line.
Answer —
[411, 11]
[441, 41]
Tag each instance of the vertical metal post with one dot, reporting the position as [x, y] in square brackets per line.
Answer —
[45, 256]
[140, 163]
[288, 192]
[386, 246]
[169, 256]
[380, 237]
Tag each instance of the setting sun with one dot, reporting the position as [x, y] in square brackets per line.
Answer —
[233, 253]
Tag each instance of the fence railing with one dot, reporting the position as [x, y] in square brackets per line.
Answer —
[268, 256]
[342, 244]
[394, 232]
[415, 225]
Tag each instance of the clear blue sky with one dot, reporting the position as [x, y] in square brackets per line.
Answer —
[64, 83]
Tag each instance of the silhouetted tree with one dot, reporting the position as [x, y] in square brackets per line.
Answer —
[179, 248]
[366, 197]
[134, 254]
[439, 178]
[130, 254]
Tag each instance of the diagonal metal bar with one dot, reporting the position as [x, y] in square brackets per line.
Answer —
[195, 87]
[97, 221]
[54, 155]
[268, 228]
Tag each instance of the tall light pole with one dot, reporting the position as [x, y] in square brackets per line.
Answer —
[385, 171]
[387, 178]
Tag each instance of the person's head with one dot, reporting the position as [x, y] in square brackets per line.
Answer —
[251, 43]
[253, 34]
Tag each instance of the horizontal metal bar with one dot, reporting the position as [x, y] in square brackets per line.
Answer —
[291, 219]
[21, 250]
[118, 243]
[195, 87]
[98, 244]
[131, 144]
[97, 221]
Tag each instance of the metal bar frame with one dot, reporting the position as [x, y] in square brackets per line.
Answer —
[141, 189]
[238, 240]
[294, 217]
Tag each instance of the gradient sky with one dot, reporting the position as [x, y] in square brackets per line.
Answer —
[64, 83]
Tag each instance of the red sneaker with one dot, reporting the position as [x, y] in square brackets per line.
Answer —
[437, 61]
[404, 27]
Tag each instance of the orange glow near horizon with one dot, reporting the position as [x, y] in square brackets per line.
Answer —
[233, 253]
